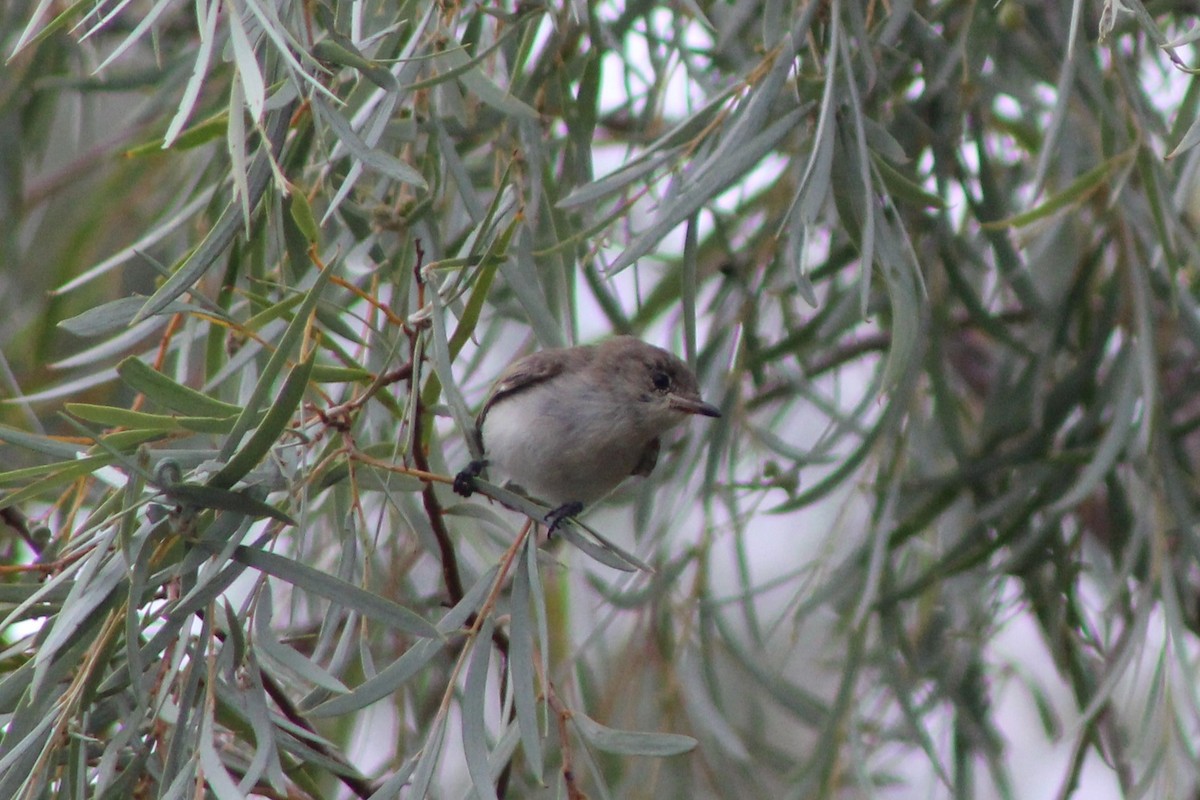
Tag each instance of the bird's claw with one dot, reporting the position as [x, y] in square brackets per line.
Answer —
[464, 482]
[555, 518]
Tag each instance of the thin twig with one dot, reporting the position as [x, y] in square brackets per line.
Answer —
[451, 578]
[13, 518]
[563, 715]
[353, 781]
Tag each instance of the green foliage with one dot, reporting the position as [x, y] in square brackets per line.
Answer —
[934, 262]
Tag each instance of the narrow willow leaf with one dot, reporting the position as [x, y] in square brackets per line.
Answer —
[201, 496]
[747, 121]
[387, 101]
[431, 752]
[115, 346]
[520, 661]
[455, 167]
[384, 683]
[468, 318]
[699, 191]
[884, 145]
[602, 549]
[31, 32]
[374, 158]
[442, 358]
[118, 443]
[87, 596]
[412, 662]
[277, 418]
[203, 132]
[302, 215]
[631, 743]
[139, 560]
[235, 146]
[29, 709]
[1122, 429]
[814, 184]
[334, 589]
[114, 316]
[893, 674]
[485, 89]
[1080, 189]
[52, 593]
[1127, 648]
[13, 687]
[284, 309]
[288, 657]
[264, 768]
[537, 595]
[1189, 140]
[144, 24]
[249, 75]
[286, 47]
[21, 592]
[906, 307]
[849, 465]
[178, 218]
[668, 147]
[596, 551]
[141, 377]
[341, 51]
[180, 785]
[226, 226]
[206, 10]
[618, 180]
[46, 445]
[216, 777]
[521, 274]
[330, 373]
[688, 287]
[108, 785]
[903, 189]
[474, 716]
[392, 788]
[659, 585]
[704, 712]
[287, 348]
[15, 748]
[180, 613]
[52, 477]
[70, 388]
[182, 762]
[110, 416]
[611, 546]
[866, 208]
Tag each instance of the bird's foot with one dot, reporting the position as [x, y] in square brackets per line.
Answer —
[464, 482]
[556, 517]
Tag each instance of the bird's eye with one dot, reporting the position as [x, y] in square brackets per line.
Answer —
[662, 381]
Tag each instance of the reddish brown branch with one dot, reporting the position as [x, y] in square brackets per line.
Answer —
[563, 715]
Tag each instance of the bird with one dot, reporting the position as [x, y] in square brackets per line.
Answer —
[567, 425]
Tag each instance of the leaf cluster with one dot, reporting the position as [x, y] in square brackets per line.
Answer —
[933, 260]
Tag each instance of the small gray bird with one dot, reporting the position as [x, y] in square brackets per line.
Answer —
[568, 425]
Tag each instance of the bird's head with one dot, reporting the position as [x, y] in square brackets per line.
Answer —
[655, 379]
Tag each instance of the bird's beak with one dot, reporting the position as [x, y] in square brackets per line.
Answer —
[689, 406]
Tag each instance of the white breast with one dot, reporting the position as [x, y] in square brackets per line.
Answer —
[564, 440]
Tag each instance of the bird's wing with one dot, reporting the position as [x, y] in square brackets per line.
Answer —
[649, 458]
[521, 374]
